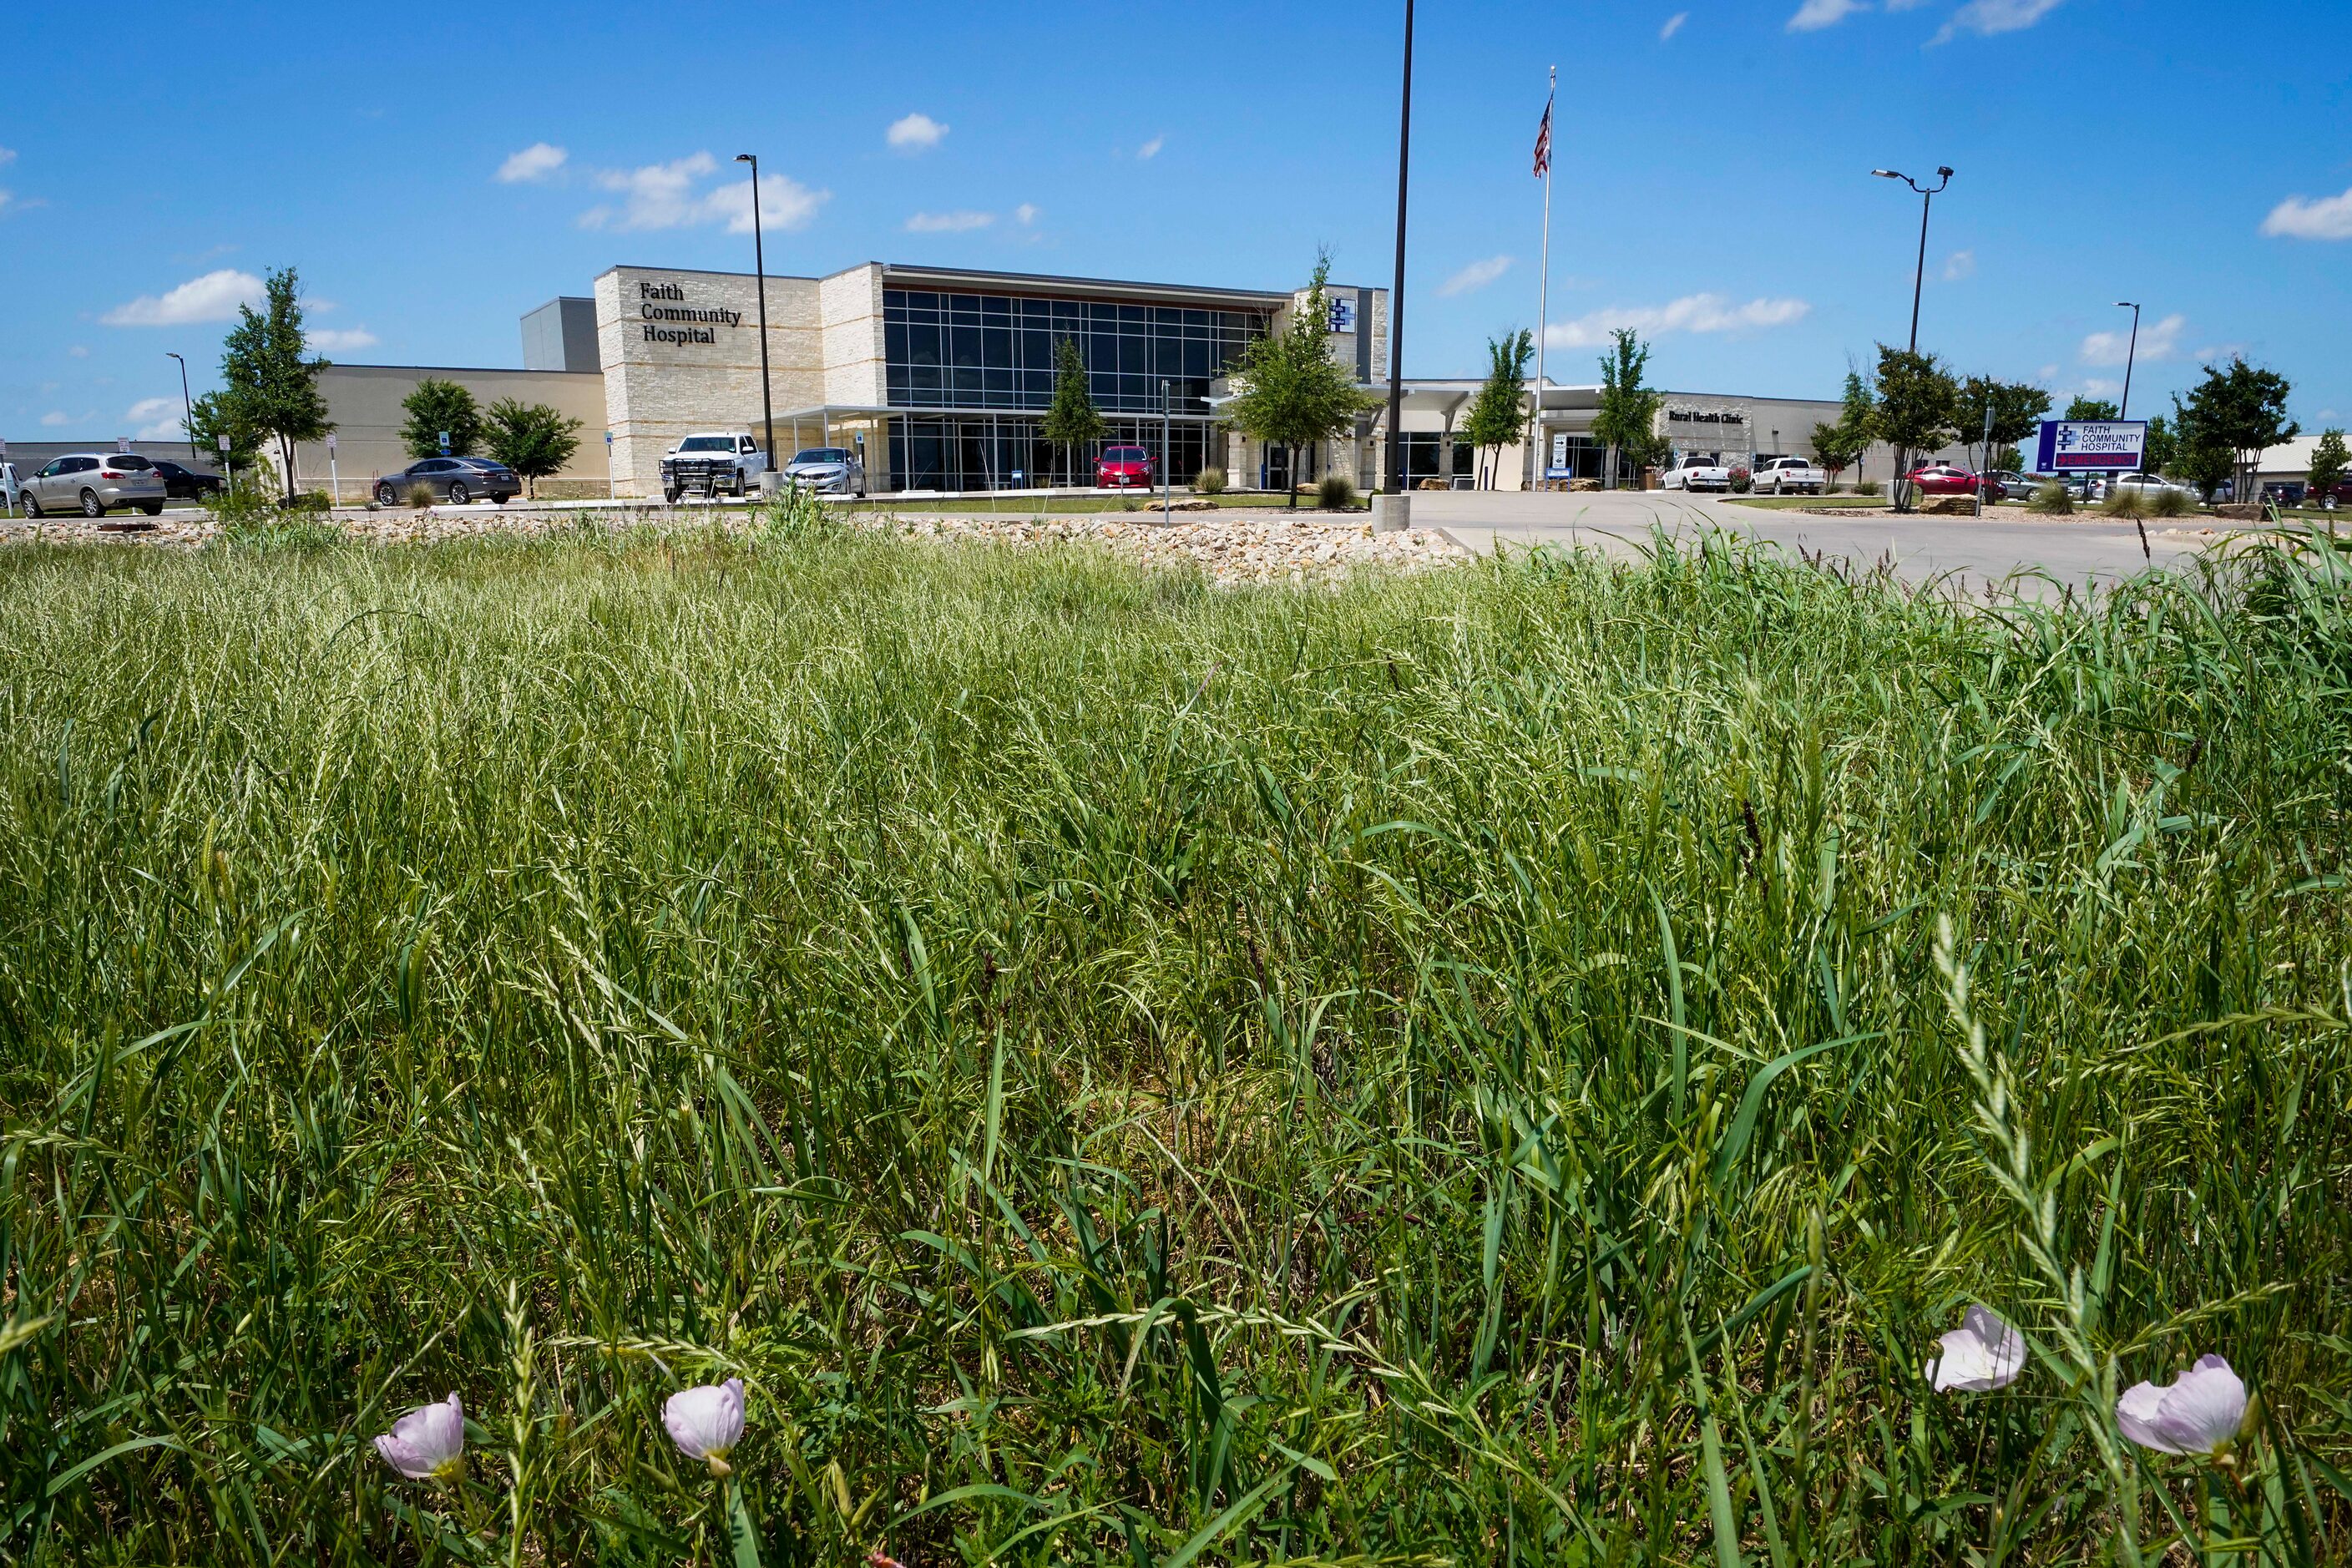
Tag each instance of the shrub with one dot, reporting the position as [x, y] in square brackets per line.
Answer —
[1741, 481]
[311, 502]
[1208, 481]
[1335, 492]
[1867, 488]
[2125, 503]
[420, 496]
[2171, 504]
[2051, 499]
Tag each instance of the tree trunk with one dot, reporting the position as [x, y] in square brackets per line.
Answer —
[1898, 488]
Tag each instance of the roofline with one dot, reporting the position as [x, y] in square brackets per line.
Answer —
[1055, 284]
[462, 369]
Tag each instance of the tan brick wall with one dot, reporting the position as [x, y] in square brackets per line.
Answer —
[363, 401]
[681, 353]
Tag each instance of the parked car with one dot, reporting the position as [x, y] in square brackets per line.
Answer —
[1943, 480]
[1777, 476]
[828, 470]
[94, 483]
[457, 480]
[1121, 467]
[1695, 472]
[2329, 499]
[183, 483]
[2014, 487]
[712, 462]
[2148, 485]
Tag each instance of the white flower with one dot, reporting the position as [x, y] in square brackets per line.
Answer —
[706, 1422]
[1982, 1354]
[2199, 1414]
[426, 1444]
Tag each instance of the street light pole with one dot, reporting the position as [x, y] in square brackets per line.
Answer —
[1166, 479]
[1396, 288]
[187, 406]
[2122, 409]
[1926, 199]
[760, 263]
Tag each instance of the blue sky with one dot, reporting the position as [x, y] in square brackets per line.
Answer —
[434, 171]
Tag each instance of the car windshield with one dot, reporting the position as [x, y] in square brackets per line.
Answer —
[821, 454]
[1124, 455]
[707, 444]
[483, 463]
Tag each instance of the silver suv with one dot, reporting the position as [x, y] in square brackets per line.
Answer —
[95, 483]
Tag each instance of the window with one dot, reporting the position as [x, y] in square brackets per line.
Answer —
[821, 454]
[55, 467]
[81, 465]
[707, 444]
[130, 462]
[980, 352]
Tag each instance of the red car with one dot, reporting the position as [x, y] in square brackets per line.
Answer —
[1943, 480]
[1124, 467]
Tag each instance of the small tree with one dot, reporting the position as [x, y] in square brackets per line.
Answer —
[210, 417]
[435, 406]
[1838, 447]
[1498, 415]
[2330, 462]
[531, 439]
[2013, 408]
[2163, 445]
[2243, 409]
[1072, 420]
[2090, 408]
[1918, 408]
[1288, 388]
[1626, 420]
[267, 384]
[2198, 456]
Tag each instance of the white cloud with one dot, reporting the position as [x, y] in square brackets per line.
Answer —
[214, 297]
[58, 419]
[535, 163]
[157, 419]
[7, 155]
[1673, 24]
[666, 195]
[7, 196]
[1691, 313]
[79, 351]
[2160, 340]
[1987, 18]
[2049, 372]
[337, 340]
[1815, 15]
[1476, 275]
[1151, 149]
[1959, 265]
[2326, 217]
[962, 222]
[1026, 213]
[914, 133]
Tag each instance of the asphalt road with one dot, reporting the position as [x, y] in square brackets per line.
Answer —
[2065, 551]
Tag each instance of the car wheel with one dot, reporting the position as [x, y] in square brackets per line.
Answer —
[91, 505]
[459, 494]
[153, 508]
[669, 497]
[385, 495]
[32, 506]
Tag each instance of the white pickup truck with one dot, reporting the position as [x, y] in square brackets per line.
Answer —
[712, 462]
[1778, 476]
[1695, 472]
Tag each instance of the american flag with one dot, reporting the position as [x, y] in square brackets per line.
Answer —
[1543, 142]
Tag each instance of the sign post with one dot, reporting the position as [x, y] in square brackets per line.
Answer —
[334, 477]
[227, 462]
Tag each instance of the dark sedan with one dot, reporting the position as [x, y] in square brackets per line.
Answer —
[456, 480]
[183, 483]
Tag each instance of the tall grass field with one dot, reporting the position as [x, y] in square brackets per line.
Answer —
[1514, 1066]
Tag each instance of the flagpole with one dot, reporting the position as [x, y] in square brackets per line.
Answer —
[1543, 305]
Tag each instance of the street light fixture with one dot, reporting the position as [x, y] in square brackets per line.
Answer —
[760, 263]
[2122, 409]
[1928, 195]
[187, 406]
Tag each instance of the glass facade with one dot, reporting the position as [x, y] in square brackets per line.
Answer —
[972, 351]
[997, 452]
[1424, 459]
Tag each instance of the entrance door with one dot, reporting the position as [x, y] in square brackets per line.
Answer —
[1275, 471]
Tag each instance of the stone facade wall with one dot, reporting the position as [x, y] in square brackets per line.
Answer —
[681, 353]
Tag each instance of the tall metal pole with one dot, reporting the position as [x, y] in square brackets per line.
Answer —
[1919, 275]
[2122, 409]
[760, 262]
[187, 406]
[1537, 459]
[1396, 288]
[1166, 479]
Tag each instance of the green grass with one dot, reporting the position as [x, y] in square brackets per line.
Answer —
[1462, 1068]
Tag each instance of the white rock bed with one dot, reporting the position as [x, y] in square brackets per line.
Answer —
[1241, 546]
